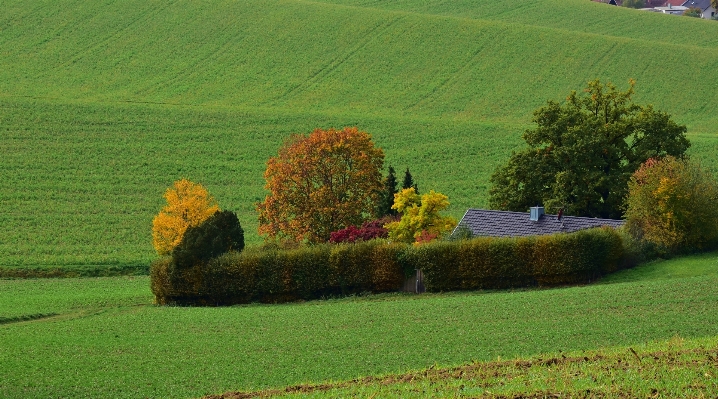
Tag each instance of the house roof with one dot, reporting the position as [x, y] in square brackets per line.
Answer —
[484, 222]
[702, 4]
[671, 9]
[673, 3]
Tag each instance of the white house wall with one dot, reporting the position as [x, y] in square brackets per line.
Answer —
[708, 13]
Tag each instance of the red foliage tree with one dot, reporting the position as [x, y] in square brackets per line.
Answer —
[320, 183]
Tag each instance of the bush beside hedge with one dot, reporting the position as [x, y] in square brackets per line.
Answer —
[273, 275]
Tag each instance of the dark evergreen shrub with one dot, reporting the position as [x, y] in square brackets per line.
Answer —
[462, 232]
[220, 233]
[386, 199]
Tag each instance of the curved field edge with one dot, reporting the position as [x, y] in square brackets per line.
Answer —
[575, 16]
[667, 368]
[324, 57]
[108, 340]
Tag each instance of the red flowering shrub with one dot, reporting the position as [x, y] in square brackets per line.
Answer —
[368, 231]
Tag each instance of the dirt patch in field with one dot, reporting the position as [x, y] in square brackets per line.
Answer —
[508, 369]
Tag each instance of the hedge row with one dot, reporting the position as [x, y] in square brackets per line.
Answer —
[378, 266]
[487, 263]
[282, 275]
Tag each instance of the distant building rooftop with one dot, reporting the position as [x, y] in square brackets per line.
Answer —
[490, 223]
[672, 9]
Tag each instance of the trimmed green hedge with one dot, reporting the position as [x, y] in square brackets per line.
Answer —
[489, 263]
[312, 272]
[282, 275]
[479, 263]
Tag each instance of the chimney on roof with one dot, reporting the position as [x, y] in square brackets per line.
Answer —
[536, 212]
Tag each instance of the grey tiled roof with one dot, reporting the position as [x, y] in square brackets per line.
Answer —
[517, 224]
[702, 4]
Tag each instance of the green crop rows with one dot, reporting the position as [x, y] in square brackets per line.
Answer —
[101, 337]
[668, 368]
[104, 104]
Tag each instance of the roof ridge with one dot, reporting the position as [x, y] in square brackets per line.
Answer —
[545, 214]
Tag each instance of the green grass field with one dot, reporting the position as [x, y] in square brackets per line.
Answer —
[104, 104]
[102, 337]
[668, 368]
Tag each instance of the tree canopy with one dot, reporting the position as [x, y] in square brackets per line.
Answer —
[634, 3]
[321, 183]
[420, 219]
[408, 182]
[583, 151]
[188, 204]
[673, 203]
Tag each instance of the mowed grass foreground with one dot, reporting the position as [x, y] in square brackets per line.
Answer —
[104, 104]
[102, 337]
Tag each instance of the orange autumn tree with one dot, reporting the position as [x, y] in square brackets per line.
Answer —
[320, 183]
[188, 204]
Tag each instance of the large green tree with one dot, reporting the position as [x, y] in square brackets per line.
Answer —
[583, 152]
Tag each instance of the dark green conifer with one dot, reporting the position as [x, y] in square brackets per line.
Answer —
[409, 181]
[386, 201]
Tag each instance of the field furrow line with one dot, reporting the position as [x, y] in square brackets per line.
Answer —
[374, 33]
[448, 82]
[119, 33]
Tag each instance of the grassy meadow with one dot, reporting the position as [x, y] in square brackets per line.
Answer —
[667, 368]
[104, 104]
[102, 337]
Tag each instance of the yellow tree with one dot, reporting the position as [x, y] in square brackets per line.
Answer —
[321, 183]
[420, 219]
[672, 202]
[188, 204]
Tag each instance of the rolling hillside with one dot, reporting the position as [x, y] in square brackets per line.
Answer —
[104, 104]
[103, 338]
